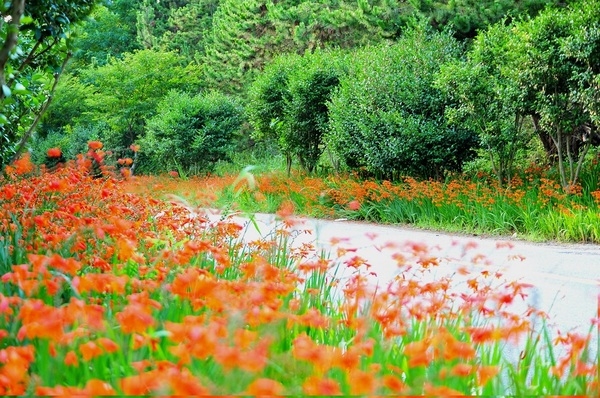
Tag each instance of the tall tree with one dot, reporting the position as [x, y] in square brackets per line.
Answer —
[467, 17]
[247, 35]
[188, 28]
[487, 98]
[36, 46]
[557, 67]
[109, 32]
[127, 91]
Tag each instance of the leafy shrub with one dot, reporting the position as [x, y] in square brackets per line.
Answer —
[388, 118]
[127, 91]
[310, 88]
[267, 98]
[71, 141]
[190, 133]
[288, 102]
[488, 98]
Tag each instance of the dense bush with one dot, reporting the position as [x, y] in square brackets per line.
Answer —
[127, 91]
[190, 133]
[71, 141]
[488, 98]
[289, 100]
[388, 117]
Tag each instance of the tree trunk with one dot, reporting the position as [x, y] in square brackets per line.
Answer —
[547, 142]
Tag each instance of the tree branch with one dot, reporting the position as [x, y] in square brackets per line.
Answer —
[31, 56]
[38, 117]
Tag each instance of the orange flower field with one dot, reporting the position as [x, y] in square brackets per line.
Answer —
[111, 287]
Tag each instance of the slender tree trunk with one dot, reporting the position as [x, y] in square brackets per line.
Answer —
[547, 141]
[38, 117]
[558, 141]
[288, 161]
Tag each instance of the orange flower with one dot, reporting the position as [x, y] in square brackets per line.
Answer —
[108, 345]
[142, 384]
[486, 373]
[23, 165]
[125, 161]
[135, 318]
[94, 145]
[185, 384]
[265, 386]
[418, 353]
[394, 383]
[90, 350]
[441, 391]
[361, 383]
[462, 370]
[97, 387]
[286, 210]
[227, 357]
[54, 153]
[321, 386]
[354, 205]
[71, 359]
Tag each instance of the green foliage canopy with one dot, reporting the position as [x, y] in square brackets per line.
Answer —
[557, 67]
[467, 17]
[288, 102]
[487, 97]
[190, 132]
[127, 91]
[247, 35]
[388, 117]
[36, 44]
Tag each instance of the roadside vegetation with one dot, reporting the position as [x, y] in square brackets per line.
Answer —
[110, 292]
[120, 122]
[533, 207]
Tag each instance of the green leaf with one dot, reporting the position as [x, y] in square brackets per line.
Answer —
[3, 119]
[6, 91]
[26, 19]
[20, 89]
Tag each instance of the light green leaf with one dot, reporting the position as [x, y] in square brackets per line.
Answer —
[6, 91]
[20, 89]
[26, 19]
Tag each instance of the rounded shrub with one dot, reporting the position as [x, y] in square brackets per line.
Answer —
[190, 133]
[388, 118]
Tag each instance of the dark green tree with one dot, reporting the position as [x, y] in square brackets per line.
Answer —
[487, 98]
[188, 28]
[153, 20]
[247, 35]
[467, 17]
[127, 92]
[388, 117]
[236, 47]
